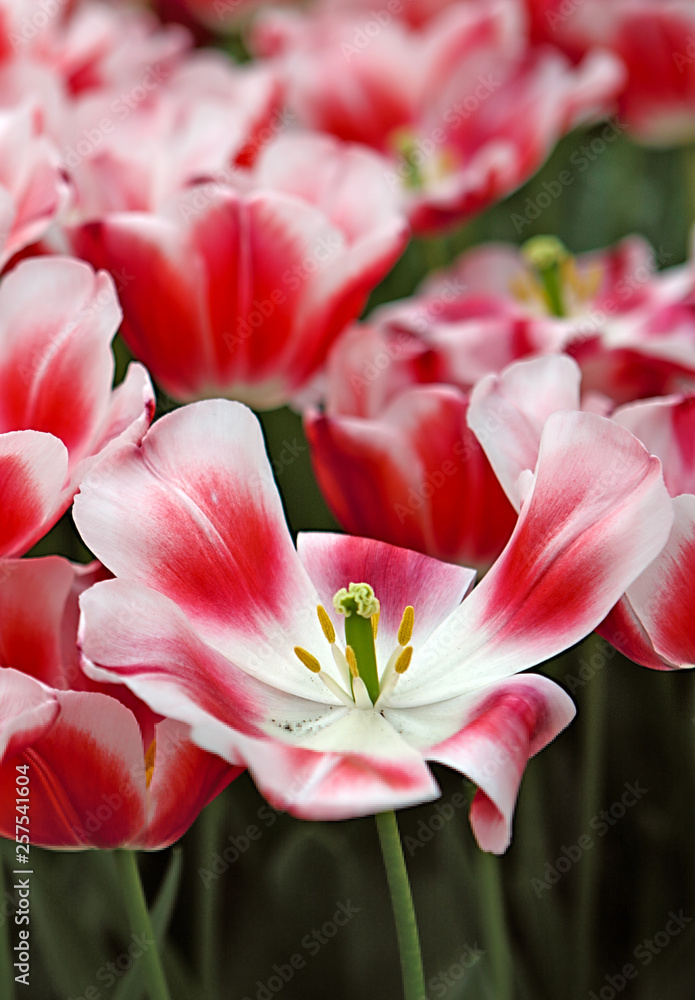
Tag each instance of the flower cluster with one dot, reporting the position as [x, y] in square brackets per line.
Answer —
[525, 412]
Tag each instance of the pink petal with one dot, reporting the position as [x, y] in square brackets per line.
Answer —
[510, 722]
[58, 320]
[93, 735]
[662, 596]
[597, 515]
[623, 629]
[184, 780]
[193, 513]
[398, 577]
[33, 471]
[27, 710]
[666, 427]
[507, 413]
[33, 595]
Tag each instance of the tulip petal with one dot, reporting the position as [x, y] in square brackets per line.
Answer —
[398, 577]
[597, 514]
[93, 735]
[662, 596]
[27, 710]
[666, 427]
[33, 470]
[508, 723]
[194, 514]
[507, 413]
[184, 780]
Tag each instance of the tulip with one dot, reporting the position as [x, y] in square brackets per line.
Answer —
[147, 781]
[241, 284]
[276, 657]
[57, 408]
[652, 623]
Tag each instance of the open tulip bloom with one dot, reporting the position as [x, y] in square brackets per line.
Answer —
[335, 671]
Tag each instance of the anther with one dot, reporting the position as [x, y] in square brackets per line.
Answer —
[375, 623]
[351, 661]
[326, 623]
[309, 661]
[403, 661]
[405, 631]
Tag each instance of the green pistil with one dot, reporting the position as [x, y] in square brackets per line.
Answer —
[405, 144]
[547, 255]
[358, 604]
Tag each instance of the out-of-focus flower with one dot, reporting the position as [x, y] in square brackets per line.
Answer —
[89, 45]
[197, 123]
[463, 106]
[146, 781]
[190, 522]
[631, 328]
[32, 187]
[391, 449]
[653, 623]
[241, 284]
[57, 408]
[656, 43]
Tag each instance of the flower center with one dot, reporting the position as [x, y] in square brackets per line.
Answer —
[364, 688]
[553, 280]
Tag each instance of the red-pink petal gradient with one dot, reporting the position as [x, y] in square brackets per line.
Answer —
[183, 773]
[27, 710]
[193, 513]
[598, 513]
[517, 403]
[56, 366]
[33, 471]
[667, 428]
[662, 597]
[399, 577]
[510, 722]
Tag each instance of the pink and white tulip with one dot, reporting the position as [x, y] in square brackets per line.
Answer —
[147, 781]
[653, 623]
[241, 285]
[655, 41]
[212, 617]
[57, 408]
[465, 109]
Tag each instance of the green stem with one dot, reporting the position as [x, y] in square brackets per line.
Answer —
[592, 783]
[403, 909]
[139, 919]
[495, 923]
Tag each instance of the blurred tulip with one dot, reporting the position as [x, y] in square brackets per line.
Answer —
[463, 106]
[241, 284]
[656, 43]
[57, 408]
[147, 782]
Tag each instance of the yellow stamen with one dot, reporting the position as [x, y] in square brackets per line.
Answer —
[351, 661]
[403, 661]
[326, 623]
[375, 623]
[309, 661]
[149, 762]
[405, 631]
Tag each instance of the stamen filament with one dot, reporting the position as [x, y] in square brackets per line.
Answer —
[336, 689]
[362, 699]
